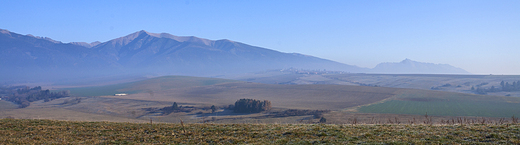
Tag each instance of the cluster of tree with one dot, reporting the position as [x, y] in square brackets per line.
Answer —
[505, 86]
[482, 91]
[175, 108]
[24, 96]
[481, 84]
[251, 106]
[510, 87]
[297, 112]
[441, 86]
[445, 86]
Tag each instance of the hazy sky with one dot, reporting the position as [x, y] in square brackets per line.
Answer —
[481, 37]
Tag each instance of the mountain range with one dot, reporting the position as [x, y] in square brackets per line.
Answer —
[27, 57]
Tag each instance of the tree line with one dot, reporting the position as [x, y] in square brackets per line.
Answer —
[504, 87]
[24, 96]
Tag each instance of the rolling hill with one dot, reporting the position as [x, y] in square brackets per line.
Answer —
[316, 96]
[346, 102]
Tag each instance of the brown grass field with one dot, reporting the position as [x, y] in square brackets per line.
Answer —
[284, 96]
[18, 131]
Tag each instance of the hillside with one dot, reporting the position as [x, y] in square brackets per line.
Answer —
[146, 86]
[225, 92]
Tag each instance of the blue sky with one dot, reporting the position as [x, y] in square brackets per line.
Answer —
[482, 37]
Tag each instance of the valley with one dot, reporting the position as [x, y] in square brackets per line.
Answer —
[347, 100]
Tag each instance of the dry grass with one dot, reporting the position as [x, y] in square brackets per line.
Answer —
[5, 105]
[62, 114]
[344, 117]
[332, 97]
[17, 131]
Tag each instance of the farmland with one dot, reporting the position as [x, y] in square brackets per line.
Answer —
[354, 115]
[457, 83]
[446, 104]
[23, 131]
[365, 104]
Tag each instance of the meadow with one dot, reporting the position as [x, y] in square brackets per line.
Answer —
[27, 131]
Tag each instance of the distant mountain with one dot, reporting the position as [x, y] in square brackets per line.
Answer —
[168, 53]
[408, 66]
[27, 56]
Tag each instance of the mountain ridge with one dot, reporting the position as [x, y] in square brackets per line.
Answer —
[146, 53]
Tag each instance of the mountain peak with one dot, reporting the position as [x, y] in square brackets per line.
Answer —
[407, 60]
[143, 32]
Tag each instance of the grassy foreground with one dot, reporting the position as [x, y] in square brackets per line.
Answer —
[23, 131]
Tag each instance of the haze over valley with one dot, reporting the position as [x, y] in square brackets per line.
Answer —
[260, 72]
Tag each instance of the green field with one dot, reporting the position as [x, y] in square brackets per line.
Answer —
[446, 104]
[18, 131]
[154, 84]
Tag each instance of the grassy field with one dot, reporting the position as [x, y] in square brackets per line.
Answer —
[371, 105]
[21, 131]
[149, 85]
[440, 103]
[332, 97]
